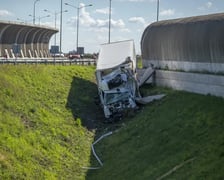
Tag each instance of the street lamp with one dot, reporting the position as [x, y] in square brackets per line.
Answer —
[77, 35]
[24, 20]
[34, 9]
[55, 20]
[157, 10]
[43, 17]
[61, 27]
[40, 17]
[21, 20]
[109, 21]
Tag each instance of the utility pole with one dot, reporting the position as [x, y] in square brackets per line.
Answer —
[61, 26]
[109, 21]
[157, 10]
[34, 10]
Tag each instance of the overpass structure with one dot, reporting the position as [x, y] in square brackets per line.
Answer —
[187, 53]
[24, 40]
[189, 44]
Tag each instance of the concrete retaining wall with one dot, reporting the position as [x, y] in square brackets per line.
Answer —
[185, 66]
[192, 82]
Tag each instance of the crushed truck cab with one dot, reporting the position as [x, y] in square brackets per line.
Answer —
[118, 87]
[116, 78]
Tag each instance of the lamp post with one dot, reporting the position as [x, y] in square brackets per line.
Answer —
[109, 21]
[55, 20]
[157, 10]
[61, 26]
[21, 20]
[40, 17]
[34, 10]
[43, 17]
[77, 34]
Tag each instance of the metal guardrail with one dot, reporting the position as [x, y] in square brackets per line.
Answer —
[48, 61]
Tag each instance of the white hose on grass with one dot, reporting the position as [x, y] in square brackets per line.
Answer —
[94, 153]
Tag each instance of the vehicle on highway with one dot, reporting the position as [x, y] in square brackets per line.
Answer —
[58, 55]
[74, 56]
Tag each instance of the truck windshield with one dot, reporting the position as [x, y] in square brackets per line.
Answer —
[114, 97]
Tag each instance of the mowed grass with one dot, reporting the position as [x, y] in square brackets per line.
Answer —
[178, 137]
[41, 131]
[48, 121]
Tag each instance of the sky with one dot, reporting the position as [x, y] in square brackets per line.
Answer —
[129, 18]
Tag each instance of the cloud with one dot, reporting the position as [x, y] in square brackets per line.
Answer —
[137, 20]
[206, 6]
[85, 18]
[102, 11]
[99, 24]
[167, 12]
[5, 13]
[117, 24]
[99, 30]
[137, 0]
[125, 30]
[140, 30]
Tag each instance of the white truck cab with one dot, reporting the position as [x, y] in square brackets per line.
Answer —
[118, 87]
[116, 78]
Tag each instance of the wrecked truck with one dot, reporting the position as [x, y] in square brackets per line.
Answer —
[118, 86]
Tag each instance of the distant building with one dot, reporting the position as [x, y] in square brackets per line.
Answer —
[80, 50]
[54, 50]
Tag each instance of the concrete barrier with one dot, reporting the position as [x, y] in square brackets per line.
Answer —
[202, 67]
[192, 82]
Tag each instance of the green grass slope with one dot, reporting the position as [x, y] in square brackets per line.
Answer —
[48, 121]
[179, 137]
[41, 111]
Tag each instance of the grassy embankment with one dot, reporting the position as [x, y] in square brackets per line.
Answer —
[44, 112]
[41, 110]
[179, 137]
